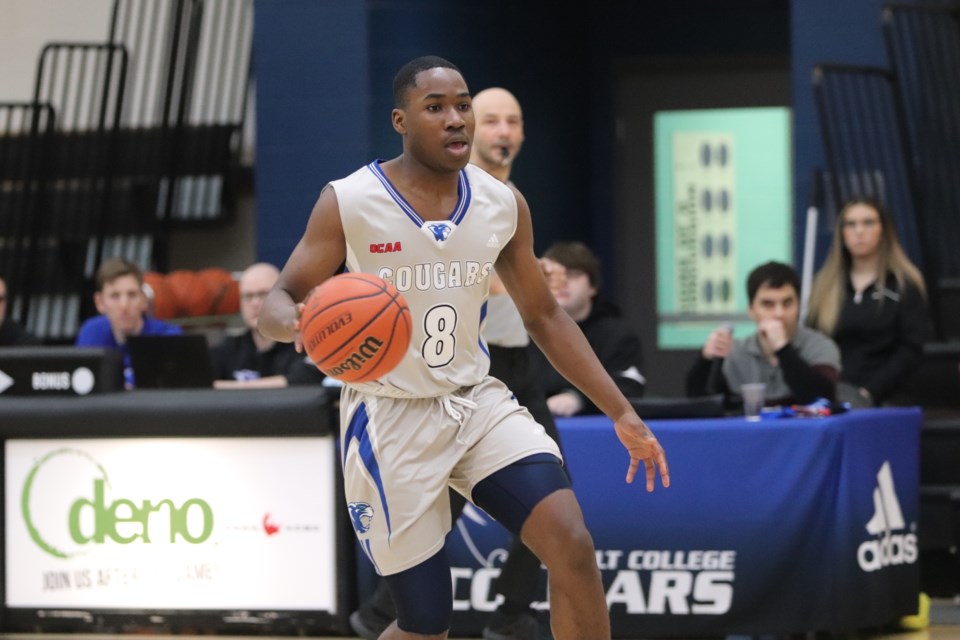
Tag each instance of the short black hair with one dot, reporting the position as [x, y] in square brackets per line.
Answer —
[578, 256]
[406, 78]
[774, 275]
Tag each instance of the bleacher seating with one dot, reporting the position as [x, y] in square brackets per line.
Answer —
[124, 139]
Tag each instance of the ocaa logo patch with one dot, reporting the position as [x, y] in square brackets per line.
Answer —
[361, 514]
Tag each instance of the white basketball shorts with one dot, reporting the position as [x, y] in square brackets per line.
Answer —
[399, 456]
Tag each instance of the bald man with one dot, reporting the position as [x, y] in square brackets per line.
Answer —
[497, 140]
[498, 136]
[251, 360]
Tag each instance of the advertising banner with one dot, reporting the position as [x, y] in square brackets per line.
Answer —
[778, 526]
[171, 523]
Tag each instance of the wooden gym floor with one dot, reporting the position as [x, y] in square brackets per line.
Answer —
[944, 617]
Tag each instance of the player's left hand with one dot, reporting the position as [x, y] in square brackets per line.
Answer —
[643, 447]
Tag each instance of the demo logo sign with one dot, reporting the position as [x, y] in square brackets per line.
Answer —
[87, 513]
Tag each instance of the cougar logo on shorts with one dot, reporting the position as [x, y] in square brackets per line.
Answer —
[361, 514]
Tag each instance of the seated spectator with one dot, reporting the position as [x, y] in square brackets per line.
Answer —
[251, 360]
[122, 303]
[871, 300]
[615, 343]
[798, 365]
[11, 333]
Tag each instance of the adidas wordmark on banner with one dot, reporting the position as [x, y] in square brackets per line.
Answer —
[892, 544]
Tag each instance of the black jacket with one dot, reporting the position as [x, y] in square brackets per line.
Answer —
[617, 347]
[14, 335]
[881, 336]
[237, 358]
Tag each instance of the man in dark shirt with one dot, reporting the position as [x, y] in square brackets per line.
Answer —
[251, 360]
[11, 333]
[615, 343]
[797, 364]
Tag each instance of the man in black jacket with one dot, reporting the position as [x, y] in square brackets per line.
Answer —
[251, 360]
[613, 340]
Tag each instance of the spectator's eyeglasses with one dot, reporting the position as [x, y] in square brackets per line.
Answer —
[250, 296]
[868, 223]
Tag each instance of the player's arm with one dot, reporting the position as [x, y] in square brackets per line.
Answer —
[561, 340]
[317, 256]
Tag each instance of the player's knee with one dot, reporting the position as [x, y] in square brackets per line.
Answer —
[513, 493]
[557, 533]
[574, 546]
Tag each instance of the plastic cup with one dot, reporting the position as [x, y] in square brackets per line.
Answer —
[753, 396]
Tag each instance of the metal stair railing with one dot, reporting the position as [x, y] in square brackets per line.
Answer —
[84, 83]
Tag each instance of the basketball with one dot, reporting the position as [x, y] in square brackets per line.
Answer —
[356, 327]
[163, 305]
[189, 292]
[223, 290]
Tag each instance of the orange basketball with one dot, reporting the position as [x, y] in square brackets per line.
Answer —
[223, 290]
[356, 327]
[162, 302]
[191, 295]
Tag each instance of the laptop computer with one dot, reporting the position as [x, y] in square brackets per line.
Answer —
[665, 408]
[170, 362]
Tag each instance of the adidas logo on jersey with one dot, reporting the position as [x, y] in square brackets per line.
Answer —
[493, 242]
[889, 548]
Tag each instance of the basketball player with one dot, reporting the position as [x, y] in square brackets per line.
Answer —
[496, 144]
[438, 419]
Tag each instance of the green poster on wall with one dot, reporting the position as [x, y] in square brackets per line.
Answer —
[723, 206]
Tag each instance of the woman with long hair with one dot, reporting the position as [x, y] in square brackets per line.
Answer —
[871, 299]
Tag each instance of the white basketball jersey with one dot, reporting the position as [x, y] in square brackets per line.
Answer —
[442, 269]
[504, 323]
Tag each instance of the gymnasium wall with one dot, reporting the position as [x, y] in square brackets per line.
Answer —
[560, 62]
[324, 69]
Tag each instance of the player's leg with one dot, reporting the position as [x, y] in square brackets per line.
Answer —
[556, 532]
[377, 612]
[520, 583]
[423, 598]
[400, 524]
[512, 470]
[533, 497]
